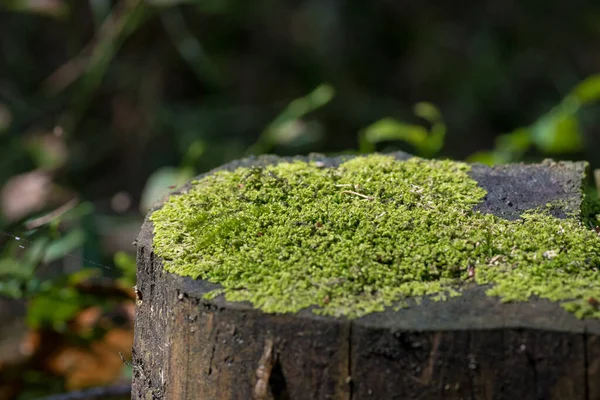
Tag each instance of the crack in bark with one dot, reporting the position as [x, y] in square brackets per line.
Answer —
[427, 375]
[212, 354]
[349, 378]
[531, 359]
[263, 371]
[586, 366]
[472, 372]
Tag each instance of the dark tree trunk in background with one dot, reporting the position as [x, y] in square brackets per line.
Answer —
[469, 347]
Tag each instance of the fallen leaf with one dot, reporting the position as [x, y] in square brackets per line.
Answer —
[25, 194]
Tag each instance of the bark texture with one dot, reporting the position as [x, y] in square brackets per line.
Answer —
[469, 347]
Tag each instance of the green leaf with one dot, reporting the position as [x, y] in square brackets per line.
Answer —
[426, 143]
[428, 112]
[194, 152]
[54, 308]
[509, 147]
[23, 267]
[162, 182]
[435, 141]
[64, 245]
[518, 141]
[80, 276]
[127, 264]
[11, 288]
[10, 267]
[557, 132]
[490, 158]
[319, 97]
[288, 128]
[588, 90]
[35, 252]
[389, 129]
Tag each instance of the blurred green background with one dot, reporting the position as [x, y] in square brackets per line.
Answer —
[105, 106]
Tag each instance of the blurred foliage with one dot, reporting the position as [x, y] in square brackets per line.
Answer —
[426, 143]
[556, 132]
[288, 129]
[107, 106]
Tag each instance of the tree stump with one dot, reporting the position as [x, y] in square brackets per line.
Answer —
[469, 347]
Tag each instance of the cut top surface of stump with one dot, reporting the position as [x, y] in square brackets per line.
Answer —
[354, 236]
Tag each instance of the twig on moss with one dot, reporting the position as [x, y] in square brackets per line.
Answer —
[356, 186]
[364, 196]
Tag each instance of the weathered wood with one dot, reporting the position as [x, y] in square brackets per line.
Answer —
[469, 347]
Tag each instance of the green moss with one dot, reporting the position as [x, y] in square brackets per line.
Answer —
[590, 208]
[350, 240]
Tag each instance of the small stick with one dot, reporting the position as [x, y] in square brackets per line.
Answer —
[364, 196]
[44, 219]
[471, 271]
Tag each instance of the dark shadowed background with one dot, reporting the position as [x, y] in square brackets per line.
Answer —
[107, 105]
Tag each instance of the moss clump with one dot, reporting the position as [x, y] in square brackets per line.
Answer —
[351, 240]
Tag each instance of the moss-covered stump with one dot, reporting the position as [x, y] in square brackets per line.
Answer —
[379, 277]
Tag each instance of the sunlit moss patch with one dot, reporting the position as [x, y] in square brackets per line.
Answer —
[350, 240]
